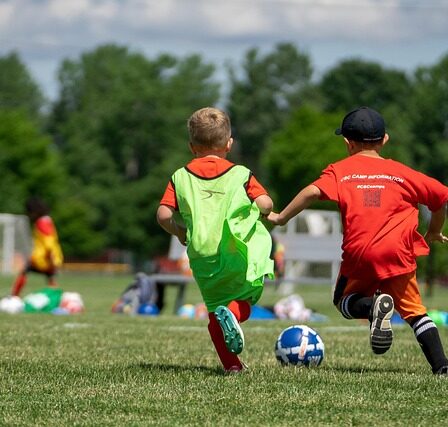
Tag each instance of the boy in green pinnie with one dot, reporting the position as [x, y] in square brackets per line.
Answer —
[228, 247]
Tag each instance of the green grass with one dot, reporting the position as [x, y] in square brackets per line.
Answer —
[103, 369]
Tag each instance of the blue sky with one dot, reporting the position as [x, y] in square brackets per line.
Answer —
[396, 33]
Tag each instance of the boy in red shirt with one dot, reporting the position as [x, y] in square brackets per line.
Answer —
[378, 199]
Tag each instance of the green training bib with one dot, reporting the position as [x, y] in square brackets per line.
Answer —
[227, 244]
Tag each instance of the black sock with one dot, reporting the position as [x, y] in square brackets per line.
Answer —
[427, 334]
[355, 306]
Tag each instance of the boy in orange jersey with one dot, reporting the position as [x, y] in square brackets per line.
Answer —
[46, 255]
[378, 199]
[227, 245]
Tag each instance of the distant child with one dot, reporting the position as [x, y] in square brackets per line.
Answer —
[46, 255]
[220, 204]
[378, 199]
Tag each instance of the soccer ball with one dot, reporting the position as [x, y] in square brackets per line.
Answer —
[299, 345]
[148, 309]
[72, 303]
[11, 305]
[186, 311]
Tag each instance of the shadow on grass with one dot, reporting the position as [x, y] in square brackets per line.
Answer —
[163, 367]
[368, 369]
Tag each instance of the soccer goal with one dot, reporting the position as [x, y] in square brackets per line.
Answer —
[15, 242]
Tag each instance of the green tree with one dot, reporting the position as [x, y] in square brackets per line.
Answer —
[29, 163]
[17, 88]
[429, 119]
[120, 122]
[354, 82]
[263, 95]
[297, 154]
[76, 227]
[429, 125]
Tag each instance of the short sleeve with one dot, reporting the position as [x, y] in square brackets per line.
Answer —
[327, 184]
[430, 192]
[254, 189]
[169, 197]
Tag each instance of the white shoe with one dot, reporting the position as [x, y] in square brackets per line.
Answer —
[381, 334]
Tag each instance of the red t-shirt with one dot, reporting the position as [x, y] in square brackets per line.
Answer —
[378, 200]
[211, 167]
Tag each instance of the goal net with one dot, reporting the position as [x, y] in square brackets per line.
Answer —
[15, 242]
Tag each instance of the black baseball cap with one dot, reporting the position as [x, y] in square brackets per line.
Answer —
[363, 124]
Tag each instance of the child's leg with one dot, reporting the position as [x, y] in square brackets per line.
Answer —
[351, 300]
[357, 299]
[229, 360]
[427, 335]
[52, 282]
[409, 304]
[230, 325]
[19, 283]
[355, 306]
[241, 310]
[50, 274]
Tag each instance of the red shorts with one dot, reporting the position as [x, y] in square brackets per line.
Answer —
[403, 289]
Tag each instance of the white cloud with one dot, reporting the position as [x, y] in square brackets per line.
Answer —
[376, 20]
[387, 30]
[235, 19]
[155, 11]
[67, 11]
[6, 15]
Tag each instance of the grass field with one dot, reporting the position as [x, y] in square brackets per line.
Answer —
[103, 369]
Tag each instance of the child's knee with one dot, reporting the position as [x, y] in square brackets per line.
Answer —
[241, 310]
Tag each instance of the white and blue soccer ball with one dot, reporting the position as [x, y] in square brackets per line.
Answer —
[299, 345]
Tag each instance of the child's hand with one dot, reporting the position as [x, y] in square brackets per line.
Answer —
[274, 218]
[435, 237]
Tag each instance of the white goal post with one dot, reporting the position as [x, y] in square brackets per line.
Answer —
[15, 242]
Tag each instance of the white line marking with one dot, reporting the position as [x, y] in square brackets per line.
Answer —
[76, 325]
[359, 328]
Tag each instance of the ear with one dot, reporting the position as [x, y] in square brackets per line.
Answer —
[385, 139]
[349, 144]
[229, 145]
[191, 147]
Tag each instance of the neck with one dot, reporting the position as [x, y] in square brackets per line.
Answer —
[369, 153]
[214, 154]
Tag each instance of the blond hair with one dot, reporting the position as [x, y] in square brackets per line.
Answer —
[209, 128]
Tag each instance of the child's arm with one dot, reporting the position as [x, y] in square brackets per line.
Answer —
[434, 233]
[298, 204]
[165, 218]
[265, 204]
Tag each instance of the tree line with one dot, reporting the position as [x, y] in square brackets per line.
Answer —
[102, 152]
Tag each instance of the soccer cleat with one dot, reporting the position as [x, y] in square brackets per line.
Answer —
[442, 371]
[381, 334]
[237, 369]
[231, 329]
